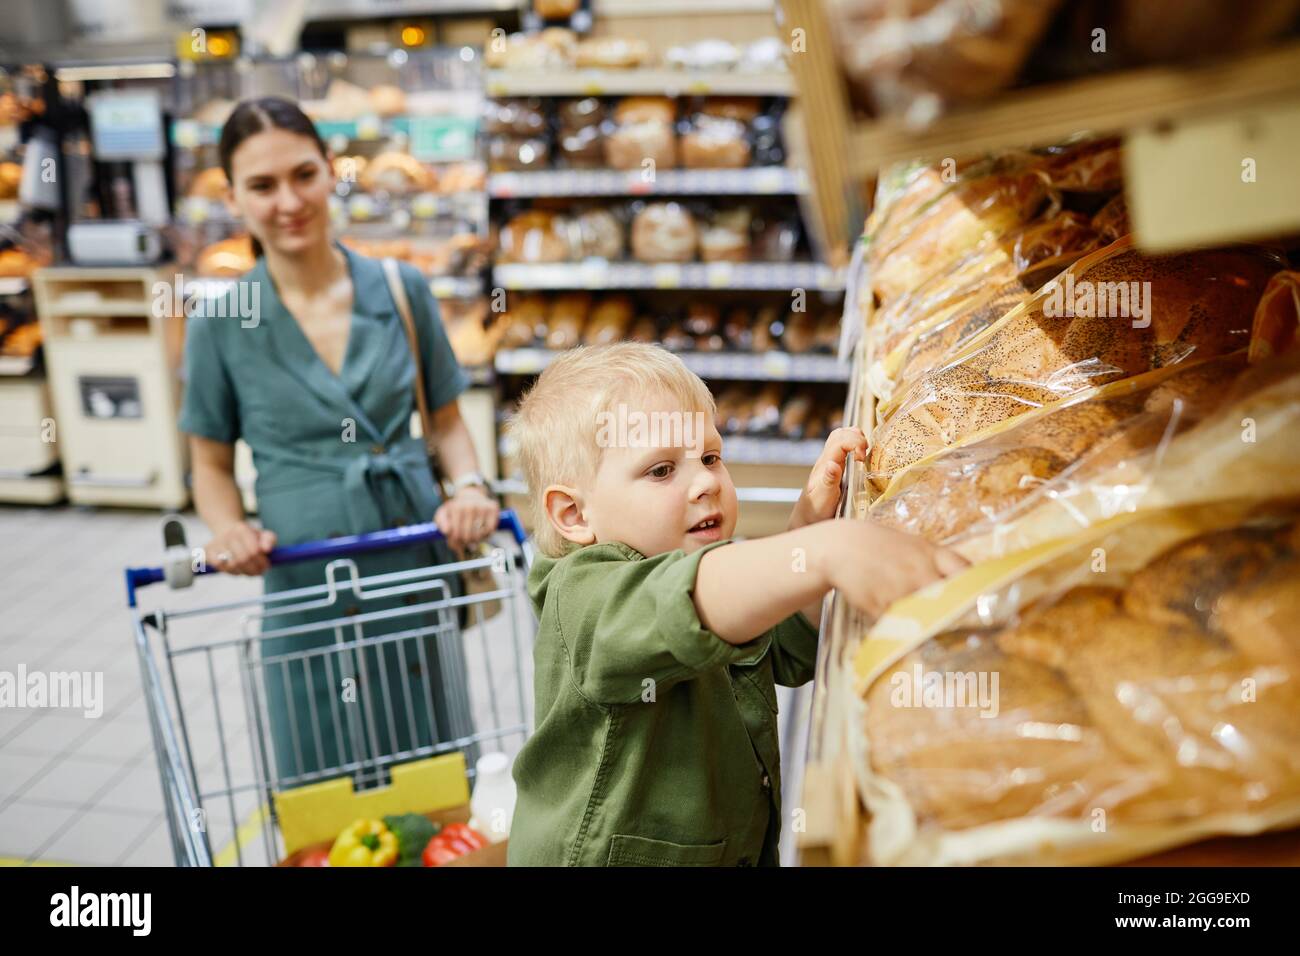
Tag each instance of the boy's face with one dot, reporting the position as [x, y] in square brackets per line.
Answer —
[654, 491]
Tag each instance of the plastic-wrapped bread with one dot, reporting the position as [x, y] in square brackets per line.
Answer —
[800, 331]
[610, 320]
[524, 321]
[664, 232]
[985, 202]
[713, 342]
[534, 236]
[796, 414]
[396, 173]
[642, 129]
[738, 329]
[597, 233]
[611, 53]
[714, 142]
[732, 409]
[826, 338]
[676, 338]
[766, 413]
[566, 318]
[1057, 344]
[726, 237]
[702, 318]
[762, 336]
[644, 329]
[387, 100]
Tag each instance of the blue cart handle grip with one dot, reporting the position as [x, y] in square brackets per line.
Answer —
[343, 547]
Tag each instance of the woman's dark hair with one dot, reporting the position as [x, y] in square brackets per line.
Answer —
[255, 116]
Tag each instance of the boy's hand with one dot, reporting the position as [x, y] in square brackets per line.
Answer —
[820, 498]
[874, 566]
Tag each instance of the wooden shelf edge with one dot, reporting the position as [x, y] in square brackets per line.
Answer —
[1105, 104]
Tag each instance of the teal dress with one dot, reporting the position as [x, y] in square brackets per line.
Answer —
[334, 456]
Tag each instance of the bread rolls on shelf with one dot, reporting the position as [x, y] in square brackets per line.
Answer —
[611, 53]
[210, 184]
[524, 321]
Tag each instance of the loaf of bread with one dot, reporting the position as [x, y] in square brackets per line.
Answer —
[534, 236]
[726, 237]
[611, 53]
[1199, 304]
[664, 232]
[610, 320]
[566, 318]
[524, 321]
[209, 184]
[396, 172]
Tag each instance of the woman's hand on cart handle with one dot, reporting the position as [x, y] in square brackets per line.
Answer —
[468, 517]
[241, 549]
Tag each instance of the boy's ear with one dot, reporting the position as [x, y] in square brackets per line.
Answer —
[565, 514]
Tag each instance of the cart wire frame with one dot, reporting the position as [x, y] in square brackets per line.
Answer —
[370, 737]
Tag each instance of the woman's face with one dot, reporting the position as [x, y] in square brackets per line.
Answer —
[280, 185]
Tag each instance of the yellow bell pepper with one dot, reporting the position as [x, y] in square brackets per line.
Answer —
[365, 843]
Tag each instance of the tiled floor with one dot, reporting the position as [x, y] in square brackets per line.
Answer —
[85, 790]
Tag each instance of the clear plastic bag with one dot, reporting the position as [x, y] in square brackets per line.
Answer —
[913, 58]
[1133, 689]
[1113, 314]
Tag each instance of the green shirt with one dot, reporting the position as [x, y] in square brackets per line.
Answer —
[656, 740]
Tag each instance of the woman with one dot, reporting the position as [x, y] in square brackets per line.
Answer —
[319, 383]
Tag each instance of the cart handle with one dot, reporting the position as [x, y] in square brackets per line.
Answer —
[343, 547]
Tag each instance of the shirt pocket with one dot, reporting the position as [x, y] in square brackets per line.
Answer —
[627, 850]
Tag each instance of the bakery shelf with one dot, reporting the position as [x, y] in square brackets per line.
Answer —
[442, 287]
[13, 285]
[748, 450]
[431, 139]
[756, 181]
[1039, 116]
[356, 207]
[599, 274]
[772, 366]
[634, 82]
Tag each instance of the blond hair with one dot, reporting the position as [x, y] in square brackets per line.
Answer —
[555, 429]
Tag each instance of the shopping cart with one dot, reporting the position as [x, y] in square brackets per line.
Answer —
[352, 711]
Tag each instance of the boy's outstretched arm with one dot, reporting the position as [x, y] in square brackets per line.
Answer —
[744, 589]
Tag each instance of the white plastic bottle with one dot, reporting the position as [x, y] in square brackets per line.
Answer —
[492, 805]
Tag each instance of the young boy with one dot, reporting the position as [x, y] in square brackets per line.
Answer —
[660, 640]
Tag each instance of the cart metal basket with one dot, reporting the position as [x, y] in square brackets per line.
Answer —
[253, 697]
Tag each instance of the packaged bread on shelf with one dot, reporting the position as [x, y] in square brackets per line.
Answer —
[566, 318]
[914, 58]
[1113, 314]
[524, 116]
[387, 99]
[664, 232]
[725, 237]
[642, 131]
[611, 53]
[396, 172]
[509, 154]
[737, 327]
[644, 329]
[596, 233]
[935, 220]
[1141, 675]
[534, 236]
[610, 320]
[473, 340]
[550, 49]
[524, 321]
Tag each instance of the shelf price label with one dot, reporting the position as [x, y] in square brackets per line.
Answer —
[767, 181]
[361, 207]
[194, 210]
[443, 287]
[424, 206]
[667, 275]
[369, 127]
[718, 275]
[776, 364]
[594, 274]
